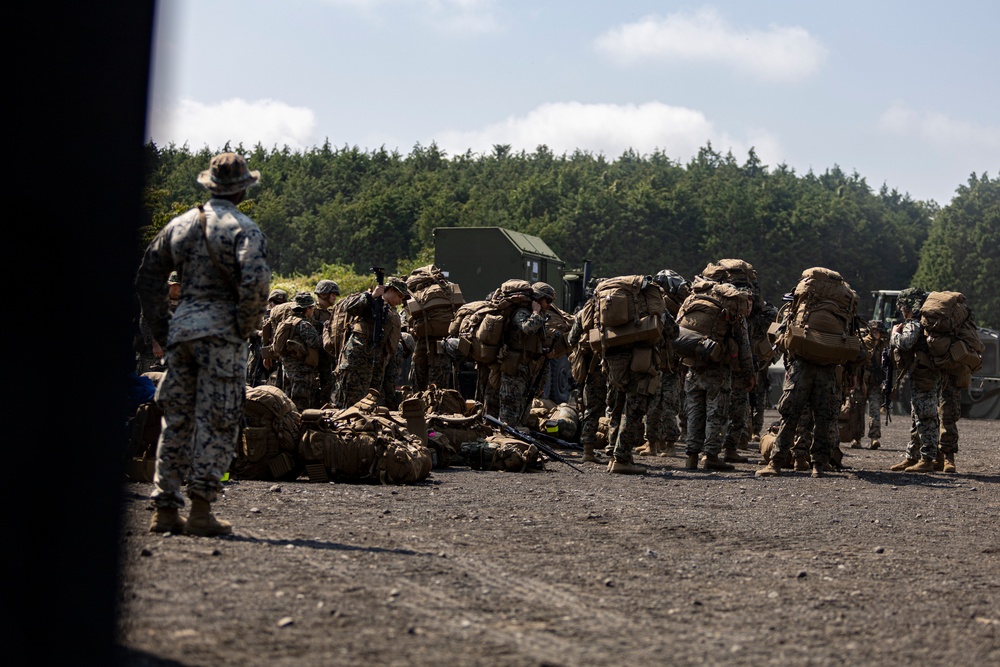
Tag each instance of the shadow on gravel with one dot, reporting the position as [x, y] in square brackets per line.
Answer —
[919, 479]
[133, 658]
[319, 544]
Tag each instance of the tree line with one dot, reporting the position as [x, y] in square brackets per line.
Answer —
[329, 210]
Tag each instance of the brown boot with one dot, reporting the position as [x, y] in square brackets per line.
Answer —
[645, 449]
[167, 520]
[713, 462]
[801, 463]
[939, 461]
[903, 465]
[731, 456]
[201, 522]
[949, 463]
[817, 470]
[623, 468]
[924, 465]
[691, 462]
[588, 453]
[875, 444]
[666, 449]
[855, 444]
[772, 469]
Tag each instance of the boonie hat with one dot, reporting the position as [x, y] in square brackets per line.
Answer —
[227, 174]
[399, 285]
[304, 300]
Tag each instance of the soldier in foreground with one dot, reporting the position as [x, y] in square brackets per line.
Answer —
[221, 256]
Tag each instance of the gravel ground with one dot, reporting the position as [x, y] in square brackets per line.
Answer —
[556, 567]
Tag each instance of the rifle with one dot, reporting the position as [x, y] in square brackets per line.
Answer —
[378, 314]
[566, 444]
[887, 388]
[524, 437]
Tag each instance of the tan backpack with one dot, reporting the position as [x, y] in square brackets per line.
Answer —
[821, 325]
[952, 338]
[269, 440]
[713, 309]
[433, 303]
[628, 310]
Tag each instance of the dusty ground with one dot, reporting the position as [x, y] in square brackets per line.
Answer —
[558, 568]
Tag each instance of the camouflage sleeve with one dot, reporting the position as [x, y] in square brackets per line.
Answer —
[575, 331]
[358, 303]
[151, 284]
[527, 321]
[908, 338]
[255, 280]
[309, 335]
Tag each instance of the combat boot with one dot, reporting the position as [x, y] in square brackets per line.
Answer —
[713, 462]
[202, 523]
[588, 453]
[772, 469]
[855, 444]
[924, 465]
[666, 449]
[691, 462]
[939, 461]
[624, 468]
[875, 444]
[167, 520]
[817, 470]
[731, 456]
[801, 463]
[949, 463]
[902, 465]
[645, 449]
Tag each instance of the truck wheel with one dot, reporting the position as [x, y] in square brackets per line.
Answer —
[560, 380]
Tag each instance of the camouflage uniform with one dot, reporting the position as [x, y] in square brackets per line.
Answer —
[393, 370]
[664, 406]
[522, 337]
[874, 376]
[925, 391]
[431, 366]
[202, 391]
[628, 399]
[362, 365]
[301, 381]
[594, 385]
[808, 384]
[707, 390]
[949, 412]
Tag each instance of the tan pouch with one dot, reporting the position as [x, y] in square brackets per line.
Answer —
[642, 359]
[511, 360]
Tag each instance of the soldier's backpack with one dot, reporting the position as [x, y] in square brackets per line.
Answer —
[952, 338]
[628, 310]
[285, 344]
[497, 452]
[479, 325]
[363, 446]
[269, 441]
[733, 271]
[270, 326]
[433, 303]
[707, 321]
[821, 324]
[335, 330]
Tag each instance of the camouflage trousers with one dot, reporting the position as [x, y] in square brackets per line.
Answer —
[949, 412]
[809, 386]
[595, 405]
[201, 395]
[301, 383]
[356, 373]
[664, 406]
[707, 391]
[431, 367]
[486, 393]
[924, 412]
[391, 380]
[626, 405]
[512, 395]
[739, 411]
[874, 400]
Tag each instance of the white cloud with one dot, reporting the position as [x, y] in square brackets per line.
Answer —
[268, 122]
[939, 130]
[606, 128]
[779, 53]
[461, 16]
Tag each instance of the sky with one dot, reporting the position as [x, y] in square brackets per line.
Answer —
[906, 94]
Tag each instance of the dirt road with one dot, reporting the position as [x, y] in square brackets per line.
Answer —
[554, 567]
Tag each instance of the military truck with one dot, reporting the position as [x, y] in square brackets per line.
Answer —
[981, 400]
[480, 259]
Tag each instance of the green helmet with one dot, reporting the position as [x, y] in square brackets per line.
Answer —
[912, 298]
[541, 290]
[327, 287]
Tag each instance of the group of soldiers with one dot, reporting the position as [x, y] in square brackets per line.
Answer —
[218, 328]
